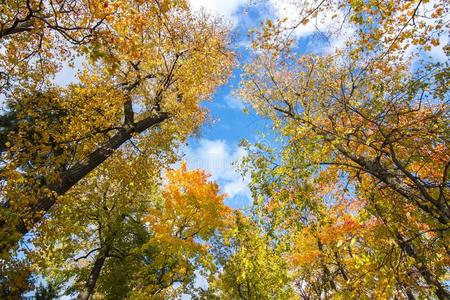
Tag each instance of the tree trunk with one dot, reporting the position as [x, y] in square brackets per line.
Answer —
[409, 293]
[430, 279]
[95, 273]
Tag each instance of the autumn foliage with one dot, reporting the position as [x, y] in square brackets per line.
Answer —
[350, 188]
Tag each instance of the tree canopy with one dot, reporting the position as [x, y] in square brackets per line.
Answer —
[349, 190]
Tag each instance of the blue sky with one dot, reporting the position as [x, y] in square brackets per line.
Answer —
[217, 149]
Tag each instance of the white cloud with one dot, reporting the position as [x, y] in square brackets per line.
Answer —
[218, 159]
[437, 53]
[234, 102]
[222, 8]
[327, 23]
[292, 12]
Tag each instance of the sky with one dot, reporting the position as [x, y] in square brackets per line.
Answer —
[217, 150]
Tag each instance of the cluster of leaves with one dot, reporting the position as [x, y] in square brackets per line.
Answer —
[131, 240]
[252, 268]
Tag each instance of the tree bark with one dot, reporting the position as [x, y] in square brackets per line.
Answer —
[94, 274]
[430, 279]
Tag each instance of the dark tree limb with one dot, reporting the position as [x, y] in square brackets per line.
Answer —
[94, 274]
[70, 177]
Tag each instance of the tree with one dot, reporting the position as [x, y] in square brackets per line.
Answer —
[38, 36]
[101, 226]
[148, 64]
[359, 126]
[15, 278]
[191, 211]
[252, 266]
[126, 238]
